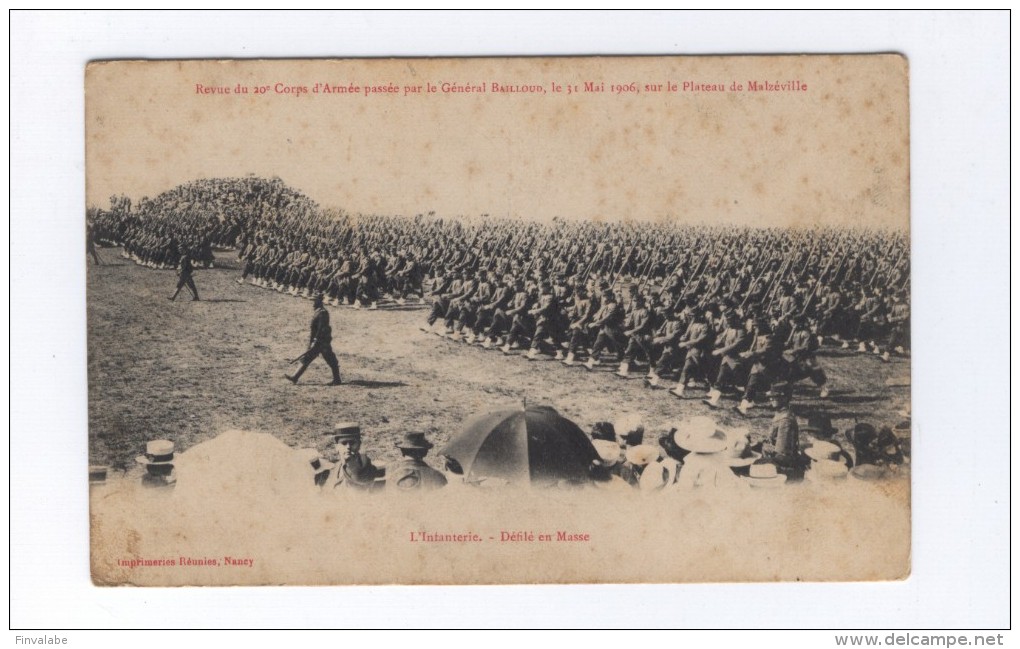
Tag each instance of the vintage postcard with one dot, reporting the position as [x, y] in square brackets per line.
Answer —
[498, 320]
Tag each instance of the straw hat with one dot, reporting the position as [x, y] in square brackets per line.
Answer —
[823, 451]
[630, 428]
[739, 454]
[868, 472]
[346, 430]
[609, 452]
[701, 435]
[659, 474]
[157, 452]
[642, 454]
[764, 475]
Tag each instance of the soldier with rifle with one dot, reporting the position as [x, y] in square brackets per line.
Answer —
[319, 344]
[184, 278]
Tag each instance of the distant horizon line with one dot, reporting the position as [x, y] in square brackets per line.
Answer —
[662, 220]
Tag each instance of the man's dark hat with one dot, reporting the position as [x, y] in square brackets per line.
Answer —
[634, 437]
[819, 424]
[603, 430]
[415, 441]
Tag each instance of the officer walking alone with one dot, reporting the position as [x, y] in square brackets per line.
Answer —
[184, 278]
[319, 343]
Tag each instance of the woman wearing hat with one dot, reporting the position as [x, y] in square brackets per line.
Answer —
[708, 462]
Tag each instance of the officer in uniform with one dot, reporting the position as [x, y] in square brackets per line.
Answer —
[354, 469]
[411, 473]
[184, 278]
[319, 342]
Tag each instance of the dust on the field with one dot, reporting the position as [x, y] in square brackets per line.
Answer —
[187, 371]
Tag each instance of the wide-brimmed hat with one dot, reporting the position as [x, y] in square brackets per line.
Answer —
[868, 472]
[157, 452]
[659, 474]
[764, 474]
[820, 425]
[642, 454]
[346, 430]
[634, 437]
[826, 470]
[630, 428]
[739, 454]
[415, 441]
[603, 430]
[701, 435]
[823, 451]
[609, 451]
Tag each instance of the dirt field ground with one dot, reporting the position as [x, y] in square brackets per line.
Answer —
[189, 370]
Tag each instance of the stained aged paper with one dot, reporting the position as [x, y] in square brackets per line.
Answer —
[775, 189]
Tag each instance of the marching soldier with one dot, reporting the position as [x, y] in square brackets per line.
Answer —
[899, 326]
[664, 351]
[764, 356]
[184, 278]
[638, 332]
[697, 341]
[729, 345]
[800, 354]
[319, 343]
[608, 320]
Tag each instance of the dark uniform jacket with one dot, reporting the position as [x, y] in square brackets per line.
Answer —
[357, 473]
[322, 333]
[411, 474]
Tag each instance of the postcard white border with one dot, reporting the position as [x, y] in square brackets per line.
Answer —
[960, 220]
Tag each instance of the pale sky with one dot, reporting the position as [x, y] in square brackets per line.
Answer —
[837, 152]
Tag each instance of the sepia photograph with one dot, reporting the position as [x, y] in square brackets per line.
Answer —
[678, 320]
[504, 320]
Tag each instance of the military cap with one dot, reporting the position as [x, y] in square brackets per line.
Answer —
[346, 430]
[415, 441]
